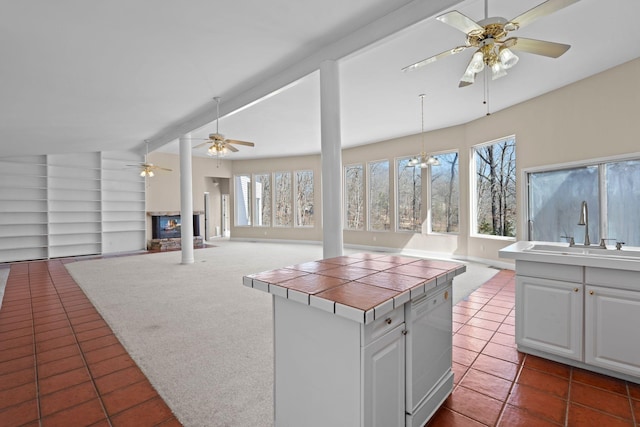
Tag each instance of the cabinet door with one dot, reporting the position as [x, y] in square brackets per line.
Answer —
[383, 380]
[612, 317]
[549, 316]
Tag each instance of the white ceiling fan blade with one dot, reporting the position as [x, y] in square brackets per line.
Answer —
[460, 21]
[434, 58]
[543, 9]
[231, 148]
[202, 145]
[235, 141]
[538, 47]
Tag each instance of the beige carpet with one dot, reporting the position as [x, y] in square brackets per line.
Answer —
[204, 340]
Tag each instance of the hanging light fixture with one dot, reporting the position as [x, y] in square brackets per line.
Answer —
[423, 160]
[498, 57]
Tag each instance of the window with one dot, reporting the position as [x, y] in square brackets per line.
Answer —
[409, 197]
[494, 181]
[242, 185]
[555, 199]
[623, 202]
[283, 193]
[263, 200]
[354, 197]
[304, 198]
[445, 194]
[379, 219]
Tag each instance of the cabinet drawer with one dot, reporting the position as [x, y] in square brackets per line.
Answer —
[381, 326]
[624, 279]
[545, 270]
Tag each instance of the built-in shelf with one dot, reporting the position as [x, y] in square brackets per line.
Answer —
[65, 204]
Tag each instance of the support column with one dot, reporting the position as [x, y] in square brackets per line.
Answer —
[331, 159]
[186, 200]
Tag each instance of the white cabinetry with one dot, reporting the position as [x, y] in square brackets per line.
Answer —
[354, 372]
[612, 316]
[549, 316]
[384, 380]
[584, 316]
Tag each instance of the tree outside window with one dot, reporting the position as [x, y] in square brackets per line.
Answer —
[409, 197]
[263, 199]
[304, 198]
[445, 194]
[354, 197]
[379, 216]
[495, 186]
[283, 194]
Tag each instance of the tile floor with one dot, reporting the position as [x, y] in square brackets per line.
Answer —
[495, 385]
[61, 365]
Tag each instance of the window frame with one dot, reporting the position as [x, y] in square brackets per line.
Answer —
[600, 162]
[390, 182]
[429, 218]
[257, 223]
[294, 177]
[249, 206]
[274, 210]
[396, 199]
[473, 190]
[363, 191]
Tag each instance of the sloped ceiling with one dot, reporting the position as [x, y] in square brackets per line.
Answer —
[89, 75]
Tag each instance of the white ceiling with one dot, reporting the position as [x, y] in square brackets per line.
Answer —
[90, 75]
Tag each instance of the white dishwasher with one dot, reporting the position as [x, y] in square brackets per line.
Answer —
[429, 378]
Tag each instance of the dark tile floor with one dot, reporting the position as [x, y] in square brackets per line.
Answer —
[61, 365]
[495, 385]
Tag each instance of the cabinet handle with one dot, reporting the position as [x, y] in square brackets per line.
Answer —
[575, 289]
[388, 321]
[590, 292]
[405, 332]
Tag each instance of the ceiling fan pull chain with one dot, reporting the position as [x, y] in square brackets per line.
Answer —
[486, 93]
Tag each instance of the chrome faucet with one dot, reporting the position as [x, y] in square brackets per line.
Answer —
[584, 220]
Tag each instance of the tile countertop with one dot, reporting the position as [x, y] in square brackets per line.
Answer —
[360, 287]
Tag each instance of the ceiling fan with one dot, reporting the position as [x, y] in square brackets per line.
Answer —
[489, 37]
[146, 168]
[220, 146]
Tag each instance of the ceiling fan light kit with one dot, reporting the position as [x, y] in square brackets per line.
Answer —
[219, 145]
[146, 168]
[488, 36]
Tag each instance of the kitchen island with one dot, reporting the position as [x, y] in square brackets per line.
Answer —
[360, 340]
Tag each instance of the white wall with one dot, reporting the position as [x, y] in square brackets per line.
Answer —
[592, 118]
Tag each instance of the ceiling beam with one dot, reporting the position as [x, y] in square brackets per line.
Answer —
[388, 25]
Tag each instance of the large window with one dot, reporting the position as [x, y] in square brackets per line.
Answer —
[555, 199]
[242, 185]
[445, 194]
[611, 189]
[263, 199]
[304, 198]
[283, 193]
[494, 181]
[354, 197]
[379, 217]
[409, 197]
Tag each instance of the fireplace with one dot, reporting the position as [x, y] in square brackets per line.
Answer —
[168, 226]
